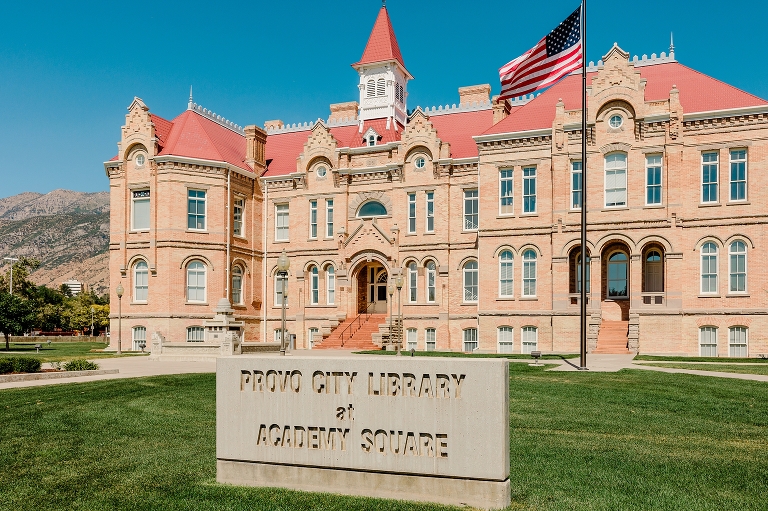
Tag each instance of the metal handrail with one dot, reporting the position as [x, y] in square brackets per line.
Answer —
[367, 313]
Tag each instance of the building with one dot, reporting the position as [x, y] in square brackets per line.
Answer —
[475, 205]
[75, 286]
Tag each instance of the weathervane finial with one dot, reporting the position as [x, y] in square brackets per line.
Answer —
[383, 3]
[191, 102]
[671, 44]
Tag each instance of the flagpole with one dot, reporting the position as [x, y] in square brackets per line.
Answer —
[583, 251]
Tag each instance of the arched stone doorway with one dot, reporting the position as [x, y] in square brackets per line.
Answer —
[372, 278]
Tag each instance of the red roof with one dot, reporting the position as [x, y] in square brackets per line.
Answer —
[459, 128]
[698, 93]
[162, 128]
[382, 44]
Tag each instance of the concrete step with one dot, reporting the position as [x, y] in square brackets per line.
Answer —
[361, 339]
[612, 338]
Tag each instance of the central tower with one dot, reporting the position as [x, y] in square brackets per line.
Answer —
[383, 76]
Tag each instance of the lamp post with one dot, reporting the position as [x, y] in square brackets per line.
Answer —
[12, 260]
[391, 290]
[119, 292]
[399, 284]
[91, 320]
[283, 263]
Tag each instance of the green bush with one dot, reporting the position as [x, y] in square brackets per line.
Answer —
[19, 365]
[80, 364]
[6, 365]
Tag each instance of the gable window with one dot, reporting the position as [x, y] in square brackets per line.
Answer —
[470, 281]
[429, 339]
[371, 140]
[411, 213]
[708, 341]
[412, 276]
[420, 162]
[471, 210]
[529, 339]
[737, 267]
[372, 209]
[615, 180]
[529, 190]
[576, 186]
[196, 210]
[653, 179]
[430, 212]
[709, 268]
[237, 228]
[330, 284]
[529, 273]
[281, 222]
[504, 336]
[737, 341]
[140, 207]
[140, 281]
[195, 334]
[139, 337]
[314, 285]
[329, 218]
[237, 285]
[313, 219]
[470, 339]
[738, 175]
[709, 180]
[431, 288]
[196, 282]
[506, 272]
[506, 187]
[412, 339]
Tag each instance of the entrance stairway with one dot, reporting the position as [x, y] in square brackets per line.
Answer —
[612, 338]
[360, 340]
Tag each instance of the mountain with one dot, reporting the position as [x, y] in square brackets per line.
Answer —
[67, 231]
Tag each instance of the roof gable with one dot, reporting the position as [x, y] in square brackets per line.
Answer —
[382, 44]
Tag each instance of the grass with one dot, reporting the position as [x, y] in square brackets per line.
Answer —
[631, 440]
[723, 368]
[661, 358]
[60, 351]
[514, 356]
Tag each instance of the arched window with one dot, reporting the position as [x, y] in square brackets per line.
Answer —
[371, 209]
[330, 284]
[471, 279]
[529, 273]
[709, 268]
[196, 282]
[431, 278]
[470, 339]
[506, 272]
[574, 269]
[237, 285]
[529, 339]
[139, 336]
[412, 276]
[380, 87]
[370, 89]
[653, 271]
[737, 267]
[140, 281]
[314, 285]
[737, 341]
[505, 337]
[616, 180]
[618, 275]
[708, 341]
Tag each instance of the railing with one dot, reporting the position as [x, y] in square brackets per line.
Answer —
[357, 321]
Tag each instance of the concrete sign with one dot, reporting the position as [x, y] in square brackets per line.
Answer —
[412, 428]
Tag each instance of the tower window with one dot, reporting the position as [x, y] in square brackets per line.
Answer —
[370, 89]
[380, 89]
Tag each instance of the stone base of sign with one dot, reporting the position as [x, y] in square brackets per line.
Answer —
[445, 490]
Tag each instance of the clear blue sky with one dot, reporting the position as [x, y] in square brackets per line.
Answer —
[68, 70]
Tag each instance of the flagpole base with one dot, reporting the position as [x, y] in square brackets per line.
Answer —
[584, 368]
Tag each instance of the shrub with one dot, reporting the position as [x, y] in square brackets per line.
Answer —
[80, 364]
[6, 365]
[26, 365]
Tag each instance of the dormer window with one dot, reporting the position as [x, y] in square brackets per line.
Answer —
[371, 140]
[370, 137]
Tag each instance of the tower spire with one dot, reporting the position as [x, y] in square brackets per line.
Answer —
[191, 102]
[671, 45]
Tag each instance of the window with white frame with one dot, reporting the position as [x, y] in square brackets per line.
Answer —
[371, 140]
[709, 177]
[529, 189]
[196, 282]
[738, 175]
[529, 339]
[330, 284]
[139, 337]
[277, 335]
[411, 213]
[431, 282]
[505, 337]
[470, 339]
[313, 219]
[471, 279]
[737, 341]
[370, 89]
[412, 277]
[506, 189]
[430, 339]
[616, 180]
[471, 210]
[576, 186]
[281, 222]
[430, 227]
[411, 339]
[506, 274]
[313, 336]
[529, 273]
[195, 334]
[329, 218]
[140, 281]
[653, 179]
[737, 267]
[314, 285]
[280, 281]
[709, 268]
[237, 227]
[196, 210]
[140, 210]
[237, 285]
[708, 341]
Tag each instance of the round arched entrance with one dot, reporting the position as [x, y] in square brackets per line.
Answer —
[372, 277]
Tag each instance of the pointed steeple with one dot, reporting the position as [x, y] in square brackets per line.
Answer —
[382, 44]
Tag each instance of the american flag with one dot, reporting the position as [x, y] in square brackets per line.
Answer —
[553, 57]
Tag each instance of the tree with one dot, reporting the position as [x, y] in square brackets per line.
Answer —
[21, 283]
[17, 315]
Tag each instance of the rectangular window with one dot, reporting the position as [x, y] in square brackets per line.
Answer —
[412, 340]
[139, 337]
[281, 222]
[429, 339]
[737, 340]
[576, 186]
[505, 339]
[738, 175]
[279, 282]
[195, 334]
[411, 213]
[431, 288]
[529, 339]
[237, 228]
[709, 177]
[506, 187]
[615, 180]
[430, 212]
[140, 217]
[196, 210]
[708, 341]
[313, 336]
[653, 179]
[330, 275]
[529, 190]
[471, 210]
[313, 219]
[470, 339]
[329, 218]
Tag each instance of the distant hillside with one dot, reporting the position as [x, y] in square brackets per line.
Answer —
[68, 232]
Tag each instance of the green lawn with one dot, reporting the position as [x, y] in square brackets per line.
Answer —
[721, 360]
[60, 351]
[631, 440]
[516, 356]
[724, 368]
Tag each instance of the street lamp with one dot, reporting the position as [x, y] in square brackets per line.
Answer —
[120, 292]
[91, 320]
[283, 263]
[12, 260]
[399, 284]
[391, 290]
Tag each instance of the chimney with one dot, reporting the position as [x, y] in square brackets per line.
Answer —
[273, 125]
[501, 109]
[341, 111]
[255, 152]
[474, 94]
